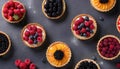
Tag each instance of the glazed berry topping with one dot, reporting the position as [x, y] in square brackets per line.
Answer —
[53, 8]
[109, 47]
[4, 43]
[58, 55]
[83, 26]
[87, 65]
[104, 1]
[33, 34]
[13, 10]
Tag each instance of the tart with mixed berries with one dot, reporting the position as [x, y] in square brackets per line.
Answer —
[5, 43]
[118, 23]
[53, 9]
[58, 54]
[13, 11]
[84, 26]
[87, 64]
[108, 47]
[103, 5]
[33, 35]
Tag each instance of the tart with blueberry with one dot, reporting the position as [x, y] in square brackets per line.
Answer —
[58, 54]
[87, 64]
[103, 5]
[33, 35]
[118, 23]
[5, 43]
[53, 9]
[108, 47]
[83, 26]
[13, 11]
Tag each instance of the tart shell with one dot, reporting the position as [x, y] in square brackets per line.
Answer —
[117, 23]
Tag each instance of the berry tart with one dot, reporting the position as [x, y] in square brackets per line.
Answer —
[103, 5]
[87, 64]
[58, 54]
[13, 11]
[33, 35]
[83, 26]
[53, 9]
[118, 23]
[5, 43]
[108, 47]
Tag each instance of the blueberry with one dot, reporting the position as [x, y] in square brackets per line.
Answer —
[58, 13]
[50, 5]
[81, 34]
[88, 29]
[36, 35]
[81, 25]
[50, 10]
[53, 14]
[54, 9]
[101, 18]
[103, 1]
[84, 34]
[55, 4]
[31, 37]
[86, 18]
[91, 31]
[35, 41]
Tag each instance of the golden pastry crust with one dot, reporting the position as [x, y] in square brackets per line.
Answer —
[117, 23]
[98, 47]
[103, 7]
[34, 45]
[2, 54]
[89, 60]
[13, 21]
[81, 37]
[58, 46]
[64, 9]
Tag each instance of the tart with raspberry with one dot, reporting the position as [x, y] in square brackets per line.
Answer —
[83, 26]
[87, 64]
[103, 5]
[5, 43]
[33, 35]
[118, 23]
[53, 9]
[58, 54]
[13, 11]
[108, 47]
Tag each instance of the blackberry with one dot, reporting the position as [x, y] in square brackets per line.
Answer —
[58, 55]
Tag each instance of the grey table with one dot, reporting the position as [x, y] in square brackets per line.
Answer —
[58, 30]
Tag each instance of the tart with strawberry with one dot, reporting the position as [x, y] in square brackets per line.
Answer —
[5, 43]
[53, 9]
[118, 23]
[33, 35]
[83, 26]
[13, 11]
[108, 47]
[58, 54]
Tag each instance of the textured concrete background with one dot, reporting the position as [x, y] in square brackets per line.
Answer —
[58, 30]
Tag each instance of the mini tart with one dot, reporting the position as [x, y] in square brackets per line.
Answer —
[9, 43]
[52, 53]
[26, 41]
[106, 58]
[17, 21]
[88, 60]
[81, 37]
[57, 17]
[103, 7]
[118, 23]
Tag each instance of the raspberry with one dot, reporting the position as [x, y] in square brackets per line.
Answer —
[90, 22]
[27, 61]
[34, 28]
[23, 65]
[10, 12]
[104, 49]
[25, 38]
[75, 28]
[6, 5]
[87, 23]
[30, 41]
[77, 32]
[83, 30]
[118, 65]
[39, 39]
[81, 19]
[40, 34]
[92, 26]
[39, 30]
[19, 6]
[88, 34]
[29, 27]
[22, 11]
[32, 32]
[10, 18]
[5, 10]
[6, 15]
[32, 66]
[15, 11]
[11, 3]
[27, 33]
[17, 62]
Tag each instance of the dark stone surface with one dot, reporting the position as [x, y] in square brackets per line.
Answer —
[58, 30]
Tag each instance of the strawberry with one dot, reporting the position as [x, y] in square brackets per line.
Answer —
[27, 61]
[17, 62]
[39, 39]
[30, 41]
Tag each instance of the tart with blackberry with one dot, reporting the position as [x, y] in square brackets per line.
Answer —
[108, 47]
[118, 23]
[83, 26]
[13, 11]
[58, 54]
[103, 5]
[87, 64]
[53, 9]
[33, 35]
[5, 43]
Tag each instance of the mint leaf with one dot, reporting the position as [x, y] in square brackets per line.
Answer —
[16, 17]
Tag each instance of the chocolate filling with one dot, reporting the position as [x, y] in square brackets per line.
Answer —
[59, 55]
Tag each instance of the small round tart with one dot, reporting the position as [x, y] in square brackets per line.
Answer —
[87, 64]
[5, 43]
[103, 5]
[53, 9]
[108, 47]
[118, 23]
[83, 26]
[58, 54]
[13, 11]
[33, 35]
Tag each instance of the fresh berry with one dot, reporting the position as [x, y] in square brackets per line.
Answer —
[90, 21]
[86, 18]
[5, 10]
[30, 41]
[23, 65]
[92, 27]
[83, 30]
[17, 62]
[39, 39]
[77, 32]
[32, 66]
[6, 15]
[10, 18]
[34, 28]
[39, 30]
[27, 61]
[32, 32]
[25, 38]
[81, 19]
[27, 33]
[19, 6]
[75, 28]
[87, 24]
